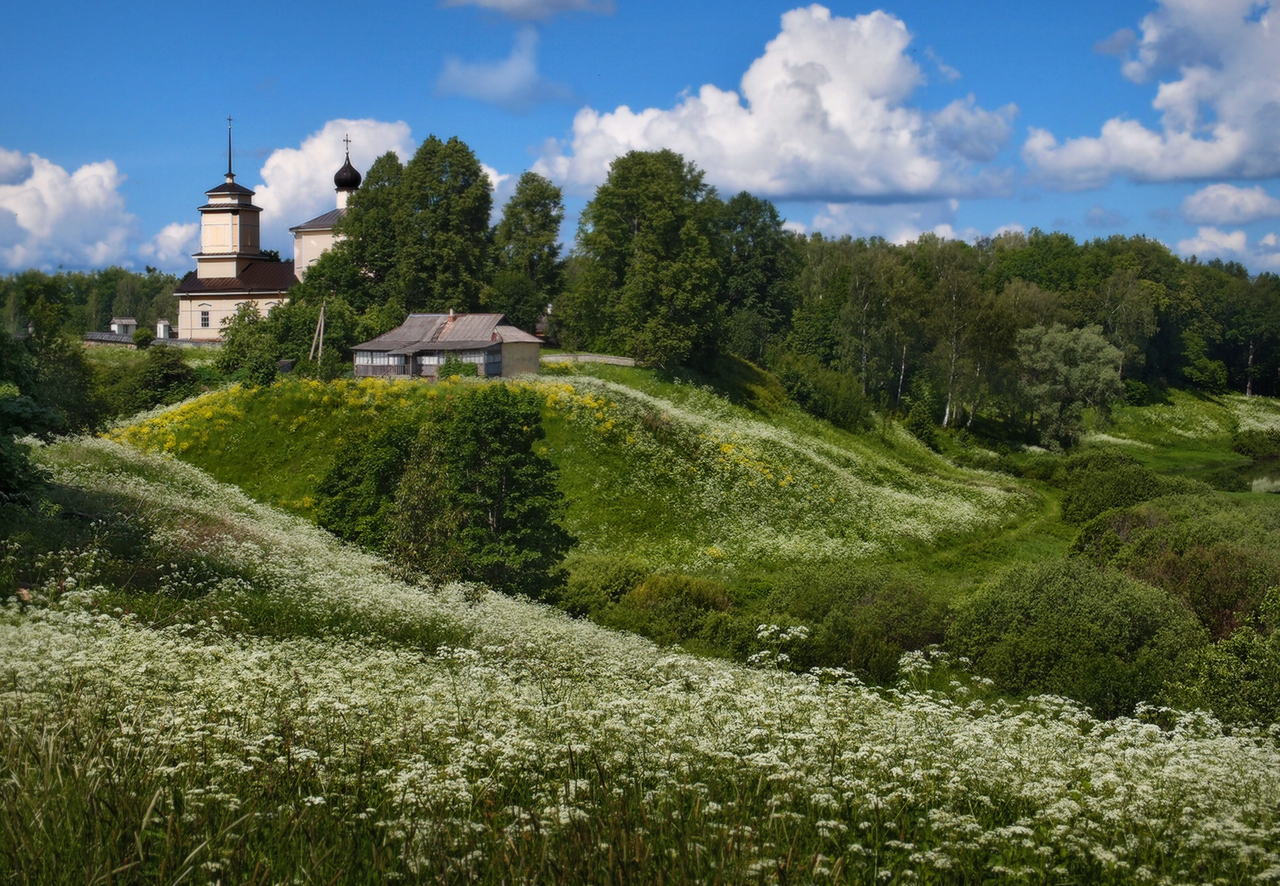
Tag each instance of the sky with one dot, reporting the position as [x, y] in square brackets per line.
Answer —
[1158, 118]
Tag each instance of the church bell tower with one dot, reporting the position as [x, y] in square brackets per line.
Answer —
[229, 235]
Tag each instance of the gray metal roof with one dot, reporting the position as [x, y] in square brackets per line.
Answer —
[441, 332]
[321, 222]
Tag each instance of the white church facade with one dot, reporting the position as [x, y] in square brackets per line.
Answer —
[231, 268]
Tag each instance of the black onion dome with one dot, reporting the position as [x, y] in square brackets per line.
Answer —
[347, 178]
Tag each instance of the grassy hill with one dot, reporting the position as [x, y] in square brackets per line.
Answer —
[198, 687]
[677, 475]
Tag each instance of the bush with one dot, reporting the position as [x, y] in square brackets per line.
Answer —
[824, 393]
[920, 423]
[1257, 443]
[669, 608]
[1238, 679]
[142, 338]
[865, 618]
[1103, 479]
[596, 581]
[1069, 628]
[453, 366]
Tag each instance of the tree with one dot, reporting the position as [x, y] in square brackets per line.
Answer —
[441, 217]
[759, 270]
[248, 348]
[529, 271]
[1063, 372]
[649, 277]
[478, 502]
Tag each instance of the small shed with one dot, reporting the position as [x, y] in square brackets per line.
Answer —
[420, 345]
[123, 325]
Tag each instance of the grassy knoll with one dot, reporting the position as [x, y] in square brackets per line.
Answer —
[175, 710]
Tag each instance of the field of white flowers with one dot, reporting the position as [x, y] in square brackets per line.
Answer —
[286, 720]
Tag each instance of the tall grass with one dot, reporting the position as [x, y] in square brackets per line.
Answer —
[515, 745]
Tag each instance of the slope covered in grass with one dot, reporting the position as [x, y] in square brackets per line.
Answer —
[206, 726]
[675, 474]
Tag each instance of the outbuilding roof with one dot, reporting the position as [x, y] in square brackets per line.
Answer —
[446, 332]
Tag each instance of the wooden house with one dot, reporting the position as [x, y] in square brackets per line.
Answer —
[419, 346]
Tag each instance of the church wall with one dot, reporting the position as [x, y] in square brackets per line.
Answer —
[308, 246]
[219, 308]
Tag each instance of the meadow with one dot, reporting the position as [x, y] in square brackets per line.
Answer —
[198, 687]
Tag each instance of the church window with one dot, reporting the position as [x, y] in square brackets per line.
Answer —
[204, 319]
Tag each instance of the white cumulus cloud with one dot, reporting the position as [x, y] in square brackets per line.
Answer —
[1228, 205]
[537, 9]
[298, 182]
[1220, 107]
[173, 247]
[1210, 242]
[512, 83]
[822, 115]
[51, 217]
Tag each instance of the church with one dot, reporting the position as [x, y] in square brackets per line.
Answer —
[232, 269]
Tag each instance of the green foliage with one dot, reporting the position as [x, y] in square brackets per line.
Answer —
[529, 271]
[163, 376]
[442, 207]
[1217, 555]
[249, 349]
[143, 337]
[920, 423]
[598, 580]
[866, 617]
[453, 367]
[1102, 479]
[1237, 678]
[1065, 371]
[356, 498]
[1072, 629]
[759, 270]
[670, 608]
[482, 495]
[1257, 443]
[823, 393]
[649, 274]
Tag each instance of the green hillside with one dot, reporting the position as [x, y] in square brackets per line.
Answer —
[676, 475]
[201, 688]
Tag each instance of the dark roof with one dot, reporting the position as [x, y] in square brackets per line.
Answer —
[229, 188]
[109, 338]
[347, 178]
[260, 276]
[321, 222]
[442, 332]
[225, 207]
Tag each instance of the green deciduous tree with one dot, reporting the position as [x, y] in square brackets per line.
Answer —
[1065, 371]
[478, 501]
[529, 271]
[442, 211]
[249, 349]
[649, 272]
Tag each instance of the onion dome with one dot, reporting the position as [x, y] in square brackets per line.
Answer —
[347, 178]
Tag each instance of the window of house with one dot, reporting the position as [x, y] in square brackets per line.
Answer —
[364, 358]
[204, 319]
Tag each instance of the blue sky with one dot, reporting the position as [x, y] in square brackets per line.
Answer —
[1156, 118]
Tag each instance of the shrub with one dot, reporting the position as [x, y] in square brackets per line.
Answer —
[1103, 479]
[920, 423]
[669, 608]
[1257, 443]
[1069, 628]
[595, 581]
[824, 393]
[453, 366]
[865, 618]
[142, 338]
[1237, 678]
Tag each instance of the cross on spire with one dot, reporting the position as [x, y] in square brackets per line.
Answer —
[230, 174]
[346, 140]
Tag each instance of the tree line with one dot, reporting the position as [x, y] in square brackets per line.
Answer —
[1021, 330]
